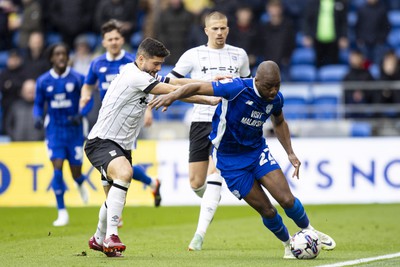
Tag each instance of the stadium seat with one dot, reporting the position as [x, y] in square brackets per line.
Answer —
[394, 38]
[360, 129]
[3, 59]
[303, 55]
[332, 73]
[136, 38]
[303, 73]
[394, 18]
[52, 38]
[296, 101]
[375, 71]
[326, 101]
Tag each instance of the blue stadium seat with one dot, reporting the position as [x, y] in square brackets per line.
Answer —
[297, 97]
[3, 59]
[375, 71]
[53, 38]
[332, 73]
[360, 129]
[326, 101]
[394, 18]
[394, 38]
[303, 55]
[303, 73]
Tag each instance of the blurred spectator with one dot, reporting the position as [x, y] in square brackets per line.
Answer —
[227, 7]
[124, 11]
[390, 71]
[7, 10]
[325, 27]
[243, 33]
[357, 72]
[82, 55]
[35, 60]
[173, 27]
[196, 7]
[18, 124]
[197, 36]
[294, 10]
[11, 79]
[71, 17]
[372, 28]
[277, 38]
[31, 21]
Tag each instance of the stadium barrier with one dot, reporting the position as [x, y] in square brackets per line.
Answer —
[333, 171]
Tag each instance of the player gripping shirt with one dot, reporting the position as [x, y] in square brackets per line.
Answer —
[61, 93]
[237, 133]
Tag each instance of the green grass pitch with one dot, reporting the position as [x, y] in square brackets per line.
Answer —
[159, 237]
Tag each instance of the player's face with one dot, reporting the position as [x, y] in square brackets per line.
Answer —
[113, 42]
[151, 65]
[217, 31]
[268, 86]
[59, 58]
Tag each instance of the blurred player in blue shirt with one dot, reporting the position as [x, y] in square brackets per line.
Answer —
[103, 70]
[57, 109]
[240, 151]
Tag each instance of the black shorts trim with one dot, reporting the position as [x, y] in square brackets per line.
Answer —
[199, 143]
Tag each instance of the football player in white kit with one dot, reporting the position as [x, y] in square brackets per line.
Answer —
[118, 125]
[205, 62]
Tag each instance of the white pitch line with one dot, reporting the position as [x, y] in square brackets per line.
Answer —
[358, 261]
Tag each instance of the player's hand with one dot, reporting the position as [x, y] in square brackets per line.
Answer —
[161, 101]
[222, 77]
[75, 119]
[39, 123]
[296, 164]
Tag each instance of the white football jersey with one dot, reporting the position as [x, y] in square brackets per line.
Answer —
[204, 63]
[122, 110]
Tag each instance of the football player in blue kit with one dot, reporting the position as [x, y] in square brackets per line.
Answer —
[56, 108]
[103, 70]
[240, 151]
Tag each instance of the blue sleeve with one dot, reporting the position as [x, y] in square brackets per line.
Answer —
[88, 107]
[91, 77]
[228, 88]
[38, 108]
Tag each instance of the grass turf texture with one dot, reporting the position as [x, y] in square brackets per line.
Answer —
[159, 237]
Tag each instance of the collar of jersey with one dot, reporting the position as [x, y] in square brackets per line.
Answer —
[54, 74]
[121, 55]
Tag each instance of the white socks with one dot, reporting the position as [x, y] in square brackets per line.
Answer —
[209, 203]
[115, 204]
[102, 224]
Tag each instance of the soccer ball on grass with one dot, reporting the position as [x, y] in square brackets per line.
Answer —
[305, 244]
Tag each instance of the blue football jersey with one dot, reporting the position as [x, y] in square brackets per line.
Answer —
[103, 69]
[237, 125]
[59, 96]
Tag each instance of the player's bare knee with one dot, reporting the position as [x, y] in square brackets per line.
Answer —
[268, 212]
[287, 202]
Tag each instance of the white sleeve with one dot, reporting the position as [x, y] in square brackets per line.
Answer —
[183, 66]
[244, 70]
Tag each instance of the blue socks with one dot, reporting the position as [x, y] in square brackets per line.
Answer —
[59, 187]
[139, 174]
[276, 226]
[298, 214]
[80, 179]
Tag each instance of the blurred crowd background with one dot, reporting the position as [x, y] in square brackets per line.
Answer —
[351, 47]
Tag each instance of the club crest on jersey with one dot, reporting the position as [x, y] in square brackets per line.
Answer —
[249, 102]
[69, 87]
[269, 108]
[103, 69]
[50, 88]
[234, 58]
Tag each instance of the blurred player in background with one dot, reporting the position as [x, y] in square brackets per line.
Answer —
[103, 70]
[241, 153]
[57, 96]
[205, 62]
[110, 141]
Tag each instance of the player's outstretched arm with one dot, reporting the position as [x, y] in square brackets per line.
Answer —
[282, 132]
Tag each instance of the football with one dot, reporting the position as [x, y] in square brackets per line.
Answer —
[305, 244]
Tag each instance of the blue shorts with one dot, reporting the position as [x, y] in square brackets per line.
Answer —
[73, 151]
[244, 168]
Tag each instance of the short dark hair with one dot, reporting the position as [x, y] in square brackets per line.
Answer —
[51, 48]
[150, 47]
[111, 25]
